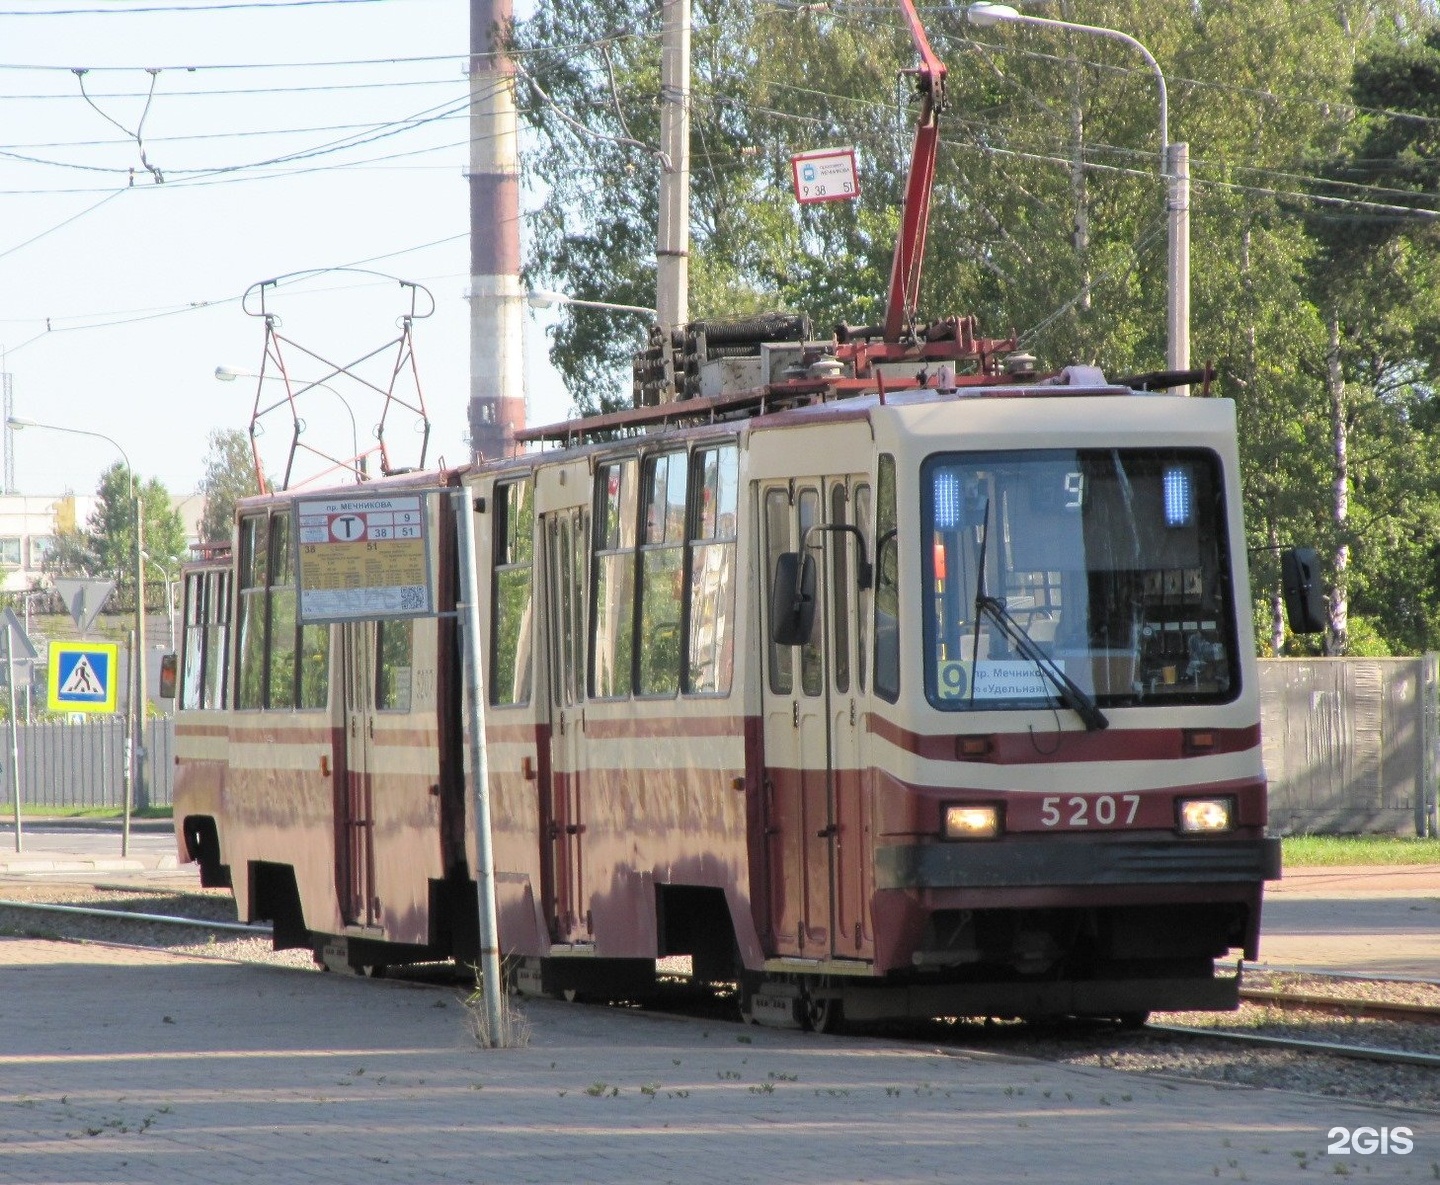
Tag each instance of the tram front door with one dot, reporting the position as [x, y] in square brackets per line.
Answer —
[815, 827]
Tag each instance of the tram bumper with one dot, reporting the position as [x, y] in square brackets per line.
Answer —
[1047, 863]
[1039, 904]
[1112, 997]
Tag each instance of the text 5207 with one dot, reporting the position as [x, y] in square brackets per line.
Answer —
[1089, 810]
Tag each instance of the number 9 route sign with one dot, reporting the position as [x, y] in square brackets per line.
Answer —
[363, 558]
[84, 677]
[825, 175]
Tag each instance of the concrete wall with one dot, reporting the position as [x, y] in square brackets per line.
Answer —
[1350, 744]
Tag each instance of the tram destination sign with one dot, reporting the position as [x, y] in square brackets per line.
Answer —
[363, 558]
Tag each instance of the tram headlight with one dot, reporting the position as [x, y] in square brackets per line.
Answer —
[1206, 815]
[972, 822]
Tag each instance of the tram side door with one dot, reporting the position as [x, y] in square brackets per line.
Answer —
[847, 504]
[799, 822]
[565, 544]
[355, 832]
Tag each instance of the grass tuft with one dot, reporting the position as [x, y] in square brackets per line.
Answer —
[1329, 851]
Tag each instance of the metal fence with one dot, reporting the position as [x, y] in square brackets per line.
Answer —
[83, 765]
[1350, 744]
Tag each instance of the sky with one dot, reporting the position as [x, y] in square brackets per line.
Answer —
[291, 135]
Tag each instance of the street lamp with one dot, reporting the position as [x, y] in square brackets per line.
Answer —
[1174, 170]
[135, 765]
[169, 580]
[540, 298]
[228, 374]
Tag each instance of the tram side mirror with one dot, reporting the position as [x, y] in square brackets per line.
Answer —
[1304, 598]
[792, 599]
[169, 667]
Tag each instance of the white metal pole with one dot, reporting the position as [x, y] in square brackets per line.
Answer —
[468, 617]
[139, 782]
[672, 300]
[1177, 179]
[14, 734]
[130, 760]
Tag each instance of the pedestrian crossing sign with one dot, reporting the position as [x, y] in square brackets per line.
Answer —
[84, 676]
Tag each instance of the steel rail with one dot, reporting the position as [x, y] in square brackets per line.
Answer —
[1313, 973]
[1358, 1052]
[1375, 1009]
[125, 915]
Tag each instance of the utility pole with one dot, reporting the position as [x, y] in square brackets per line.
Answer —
[497, 389]
[672, 301]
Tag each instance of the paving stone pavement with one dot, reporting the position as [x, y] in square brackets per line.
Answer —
[121, 1067]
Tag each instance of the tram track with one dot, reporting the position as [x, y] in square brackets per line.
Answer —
[1326, 1048]
[1302, 1030]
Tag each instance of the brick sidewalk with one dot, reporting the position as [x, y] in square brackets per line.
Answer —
[140, 1067]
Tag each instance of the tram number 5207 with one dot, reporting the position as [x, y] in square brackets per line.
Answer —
[1089, 810]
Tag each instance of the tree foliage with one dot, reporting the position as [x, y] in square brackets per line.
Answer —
[229, 476]
[105, 547]
[1314, 134]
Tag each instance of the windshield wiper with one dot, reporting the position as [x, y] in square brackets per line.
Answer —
[1072, 695]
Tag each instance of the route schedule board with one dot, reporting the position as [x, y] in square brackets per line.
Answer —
[363, 558]
[825, 175]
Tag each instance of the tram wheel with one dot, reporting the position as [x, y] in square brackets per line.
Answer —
[1133, 1020]
[818, 1014]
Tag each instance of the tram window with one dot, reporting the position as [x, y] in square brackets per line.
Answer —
[612, 640]
[252, 551]
[712, 570]
[250, 678]
[662, 554]
[511, 594]
[314, 666]
[394, 648]
[777, 542]
[217, 641]
[840, 568]
[192, 676]
[282, 616]
[812, 667]
[862, 618]
[280, 665]
[207, 616]
[887, 585]
[1110, 563]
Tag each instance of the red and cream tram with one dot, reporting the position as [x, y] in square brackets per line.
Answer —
[874, 673]
[927, 702]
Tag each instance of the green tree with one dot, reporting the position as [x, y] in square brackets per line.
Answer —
[229, 476]
[1317, 305]
[106, 545]
[1374, 280]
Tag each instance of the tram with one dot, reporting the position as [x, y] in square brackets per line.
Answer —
[876, 673]
[916, 702]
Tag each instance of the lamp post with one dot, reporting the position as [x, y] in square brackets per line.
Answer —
[228, 374]
[1174, 170]
[135, 763]
[539, 298]
[169, 581]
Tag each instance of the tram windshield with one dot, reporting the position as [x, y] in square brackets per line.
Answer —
[1110, 566]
